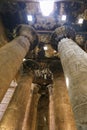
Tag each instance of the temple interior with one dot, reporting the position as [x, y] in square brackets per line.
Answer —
[43, 61]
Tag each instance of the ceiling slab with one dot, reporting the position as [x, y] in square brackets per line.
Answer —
[77, 1]
[51, 0]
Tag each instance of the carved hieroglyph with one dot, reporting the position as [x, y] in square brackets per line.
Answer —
[74, 62]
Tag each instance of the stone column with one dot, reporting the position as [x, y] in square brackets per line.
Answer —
[11, 57]
[51, 109]
[64, 119]
[25, 125]
[33, 112]
[14, 115]
[29, 122]
[74, 62]
[3, 37]
[43, 112]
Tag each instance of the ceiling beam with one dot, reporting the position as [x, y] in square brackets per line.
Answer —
[78, 1]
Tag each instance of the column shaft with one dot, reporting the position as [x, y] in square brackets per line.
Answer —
[29, 122]
[11, 57]
[51, 110]
[3, 37]
[64, 118]
[33, 112]
[14, 115]
[74, 62]
[43, 113]
[25, 125]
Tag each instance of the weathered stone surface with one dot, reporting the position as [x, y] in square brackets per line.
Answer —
[43, 112]
[51, 110]
[3, 37]
[11, 57]
[64, 119]
[29, 32]
[61, 32]
[30, 121]
[74, 61]
[14, 115]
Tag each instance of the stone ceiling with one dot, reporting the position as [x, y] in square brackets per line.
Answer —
[14, 12]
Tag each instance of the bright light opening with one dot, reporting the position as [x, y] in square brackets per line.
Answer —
[24, 59]
[67, 82]
[46, 7]
[29, 18]
[55, 51]
[45, 48]
[63, 18]
[80, 21]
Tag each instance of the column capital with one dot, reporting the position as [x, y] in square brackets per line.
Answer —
[60, 33]
[28, 32]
